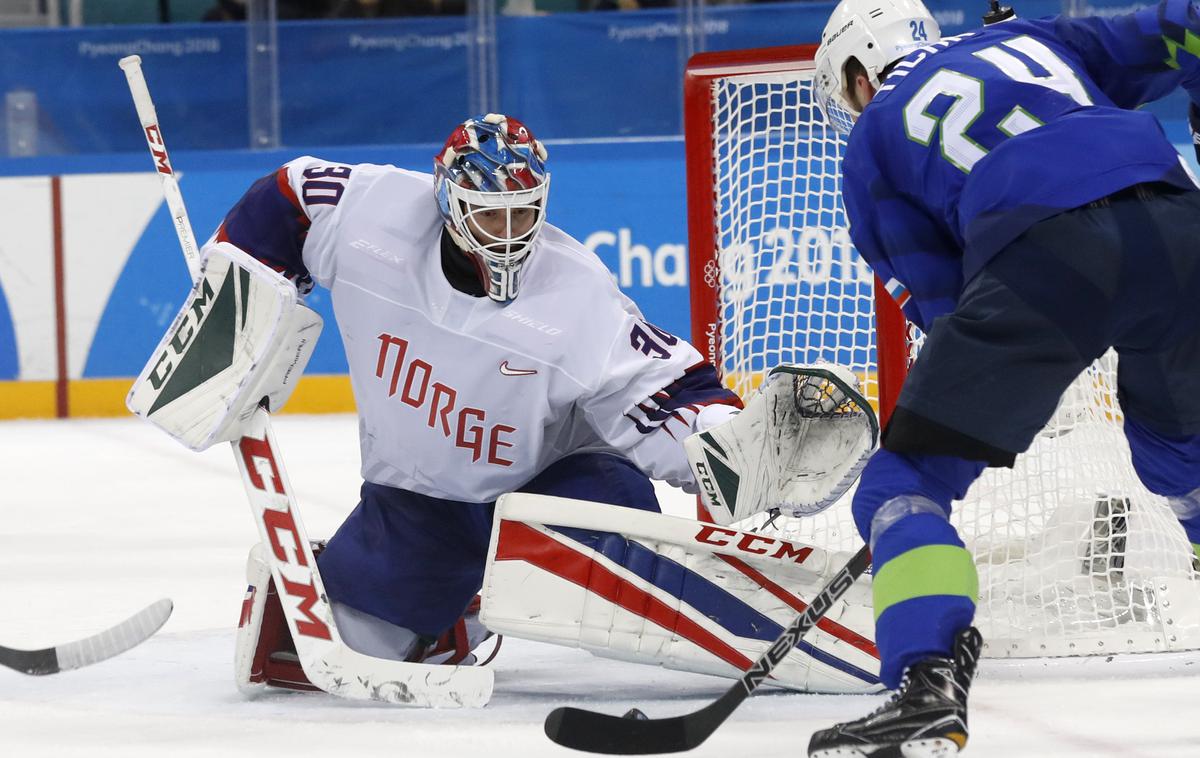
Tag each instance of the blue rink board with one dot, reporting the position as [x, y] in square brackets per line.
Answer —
[403, 80]
[629, 190]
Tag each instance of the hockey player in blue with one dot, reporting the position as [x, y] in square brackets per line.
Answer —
[1004, 179]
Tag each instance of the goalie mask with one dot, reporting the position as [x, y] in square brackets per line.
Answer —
[877, 33]
[491, 184]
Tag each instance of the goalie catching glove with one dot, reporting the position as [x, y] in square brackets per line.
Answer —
[800, 443]
[242, 336]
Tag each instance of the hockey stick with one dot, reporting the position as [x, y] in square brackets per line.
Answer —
[327, 661]
[72, 655]
[634, 734]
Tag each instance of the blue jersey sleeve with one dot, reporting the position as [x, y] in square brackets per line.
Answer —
[903, 245]
[269, 223]
[1142, 56]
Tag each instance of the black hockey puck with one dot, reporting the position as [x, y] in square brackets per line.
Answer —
[635, 714]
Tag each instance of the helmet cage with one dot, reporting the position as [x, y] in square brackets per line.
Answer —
[492, 163]
[499, 254]
[832, 96]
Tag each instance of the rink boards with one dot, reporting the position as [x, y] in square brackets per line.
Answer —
[91, 275]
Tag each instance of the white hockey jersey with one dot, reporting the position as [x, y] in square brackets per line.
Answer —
[462, 397]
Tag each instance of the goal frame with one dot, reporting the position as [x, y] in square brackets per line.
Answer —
[890, 325]
[1080, 562]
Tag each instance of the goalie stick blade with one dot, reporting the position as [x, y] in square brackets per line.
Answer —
[72, 655]
[614, 735]
[341, 671]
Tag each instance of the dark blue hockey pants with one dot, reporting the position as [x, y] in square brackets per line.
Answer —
[417, 561]
[1123, 274]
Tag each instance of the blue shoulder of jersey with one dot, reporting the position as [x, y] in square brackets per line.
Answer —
[972, 140]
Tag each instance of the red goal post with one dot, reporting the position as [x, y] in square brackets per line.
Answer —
[1075, 557]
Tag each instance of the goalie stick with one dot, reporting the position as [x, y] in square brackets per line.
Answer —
[634, 734]
[72, 655]
[327, 661]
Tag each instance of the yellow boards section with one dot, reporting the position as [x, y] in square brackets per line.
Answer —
[90, 398]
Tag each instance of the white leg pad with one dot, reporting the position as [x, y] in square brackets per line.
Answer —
[669, 591]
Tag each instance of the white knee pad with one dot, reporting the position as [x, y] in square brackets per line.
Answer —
[373, 636]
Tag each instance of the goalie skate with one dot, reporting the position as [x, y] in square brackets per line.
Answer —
[926, 718]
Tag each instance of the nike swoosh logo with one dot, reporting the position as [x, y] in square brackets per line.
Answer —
[504, 369]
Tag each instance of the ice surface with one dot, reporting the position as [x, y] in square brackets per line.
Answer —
[98, 518]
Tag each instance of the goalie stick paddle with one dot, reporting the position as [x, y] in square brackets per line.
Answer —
[634, 734]
[72, 655]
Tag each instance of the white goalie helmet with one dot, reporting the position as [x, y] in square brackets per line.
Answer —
[877, 33]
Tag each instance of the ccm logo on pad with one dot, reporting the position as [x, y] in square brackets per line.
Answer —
[749, 542]
[504, 369]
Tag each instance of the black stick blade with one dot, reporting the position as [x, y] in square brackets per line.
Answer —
[32, 662]
[634, 734]
[614, 735]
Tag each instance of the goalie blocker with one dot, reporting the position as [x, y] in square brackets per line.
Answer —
[683, 594]
[242, 336]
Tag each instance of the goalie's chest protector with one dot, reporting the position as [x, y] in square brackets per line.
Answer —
[459, 397]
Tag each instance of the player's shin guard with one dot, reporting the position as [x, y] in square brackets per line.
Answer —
[925, 718]
[1168, 466]
[925, 583]
[924, 590]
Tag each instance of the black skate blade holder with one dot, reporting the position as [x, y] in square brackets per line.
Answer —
[997, 13]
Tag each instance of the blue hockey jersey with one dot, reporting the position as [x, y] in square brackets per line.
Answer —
[974, 139]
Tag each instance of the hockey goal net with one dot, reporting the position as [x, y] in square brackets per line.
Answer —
[1075, 556]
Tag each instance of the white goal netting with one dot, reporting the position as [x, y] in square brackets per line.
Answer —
[1075, 557]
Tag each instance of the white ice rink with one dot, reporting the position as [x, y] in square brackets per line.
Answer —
[98, 518]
